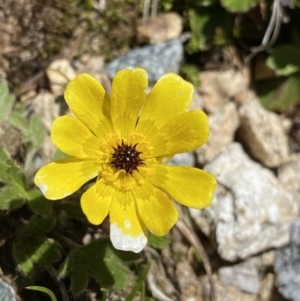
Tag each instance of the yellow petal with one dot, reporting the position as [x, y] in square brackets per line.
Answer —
[127, 98]
[96, 201]
[183, 133]
[127, 231]
[86, 98]
[170, 97]
[72, 137]
[189, 186]
[157, 211]
[61, 178]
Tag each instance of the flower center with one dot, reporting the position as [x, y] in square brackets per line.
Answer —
[126, 157]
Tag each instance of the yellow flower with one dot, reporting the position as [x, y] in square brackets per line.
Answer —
[124, 141]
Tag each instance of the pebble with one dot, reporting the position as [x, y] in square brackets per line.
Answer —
[223, 125]
[251, 210]
[7, 292]
[157, 59]
[287, 265]
[262, 133]
[160, 29]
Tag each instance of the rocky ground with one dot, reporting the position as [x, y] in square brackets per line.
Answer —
[251, 232]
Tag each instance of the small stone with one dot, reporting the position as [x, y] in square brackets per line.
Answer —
[157, 60]
[59, 73]
[289, 174]
[222, 125]
[221, 86]
[262, 133]
[287, 265]
[243, 276]
[251, 211]
[46, 107]
[160, 29]
[7, 292]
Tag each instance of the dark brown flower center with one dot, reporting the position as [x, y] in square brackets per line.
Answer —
[126, 157]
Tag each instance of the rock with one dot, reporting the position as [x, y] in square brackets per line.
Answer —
[46, 107]
[262, 133]
[7, 292]
[184, 159]
[223, 293]
[218, 87]
[251, 210]
[243, 276]
[157, 60]
[287, 265]
[188, 282]
[59, 73]
[222, 125]
[10, 139]
[289, 174]
[160, 29]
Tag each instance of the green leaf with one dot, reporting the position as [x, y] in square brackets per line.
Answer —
[32, 250]
[100, 261]
[38, 203]
[44, 290]
[6, 101]
[158, 242]
[139, 283]
[239, 6]
[36, 132]
[10, 198]
[280, 94]
[13, 193]
[33, 130]
[207, 23]
[284, 59]
[10, 173]
[204, 2]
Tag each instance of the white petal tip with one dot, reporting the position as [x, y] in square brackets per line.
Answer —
[126, 242]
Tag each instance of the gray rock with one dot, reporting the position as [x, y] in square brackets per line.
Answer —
[156, 59]
[287, 265]
[222, 125]
[184, 159]
[243, 276]
[7, 292]
[251, 210]
[262, 133]
[289, 174]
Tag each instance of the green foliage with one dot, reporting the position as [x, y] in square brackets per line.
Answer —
[32, 250]
[191, 73]
[13, 193]
[238, 5]
[280, 94]
[100, 261]
[139, 283]
[158, 242]
[209, 25]
[6, 101]
[285, 59]
[44, 290]
[33, 130]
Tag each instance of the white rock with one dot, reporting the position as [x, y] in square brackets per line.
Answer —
[262, 133]
[244, 276]
[222, 125]
[251, 211]
[59, 73]
[45, 106]
[221, 86]
[289, 174]
[160, 29]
